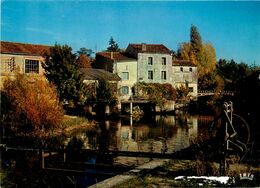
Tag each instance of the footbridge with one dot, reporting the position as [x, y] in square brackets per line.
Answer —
[202, 93]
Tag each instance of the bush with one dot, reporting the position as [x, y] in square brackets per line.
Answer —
[33, 104]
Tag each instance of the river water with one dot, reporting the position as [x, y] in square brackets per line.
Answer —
[157, 134]
[161, 134]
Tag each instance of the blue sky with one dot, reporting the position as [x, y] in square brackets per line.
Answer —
[232, 27]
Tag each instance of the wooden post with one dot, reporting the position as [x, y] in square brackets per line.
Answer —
[41, 156]
[64, 155]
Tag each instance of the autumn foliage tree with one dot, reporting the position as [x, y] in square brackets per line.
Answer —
[201, 54]
[33, 105]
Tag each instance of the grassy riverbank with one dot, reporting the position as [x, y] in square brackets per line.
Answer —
[74, 123]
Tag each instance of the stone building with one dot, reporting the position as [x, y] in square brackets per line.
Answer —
[154, 62]
[185, 73]
[122, 64]
[22, 58]
[150, 63]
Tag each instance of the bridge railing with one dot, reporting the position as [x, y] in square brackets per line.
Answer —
[212, 92]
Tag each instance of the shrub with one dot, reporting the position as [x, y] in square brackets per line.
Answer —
[33, 104]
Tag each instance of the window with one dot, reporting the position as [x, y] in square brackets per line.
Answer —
[9, 65]
[150, 75]
[163, 75]
[125, 76]
[181, 69]
[190, 69]
[163, 60]
[150, 61]
[125, 90]
[31, 66]
[190, 89]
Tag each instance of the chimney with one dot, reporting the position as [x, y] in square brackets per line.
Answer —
[143, 47]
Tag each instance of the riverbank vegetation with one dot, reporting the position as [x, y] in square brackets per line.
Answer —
[157, 93]
[30, 105]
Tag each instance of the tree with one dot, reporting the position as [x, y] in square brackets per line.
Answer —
[85, 51]
[105, 92]
[62, 70]
[113, 46]
[33, 105]
[233, 73]
[155, 92]
[84, 61]
[105, 96]
[195, 40]
[201, 54]
[182, 92]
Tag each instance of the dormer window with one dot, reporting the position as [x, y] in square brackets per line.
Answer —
[150, 61]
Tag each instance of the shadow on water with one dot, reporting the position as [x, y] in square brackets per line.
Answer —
[77, 168]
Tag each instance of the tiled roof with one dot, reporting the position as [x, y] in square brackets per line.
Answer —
[151, 48]
[119, 56]
[183, 63]
[98, 74]
[23, 49]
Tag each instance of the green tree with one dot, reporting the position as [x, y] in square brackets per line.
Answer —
[85, 51]
[113, 46]
[233, 72]
[105, 96]
[155, 92]
[62, 70]
[195, 41]
[32, 105]
[106, 92]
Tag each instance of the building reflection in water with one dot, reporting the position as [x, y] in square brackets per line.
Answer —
[163, 134]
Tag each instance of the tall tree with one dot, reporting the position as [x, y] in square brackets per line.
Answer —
[62, 70]
[195, 40]
[201, 54]
[113, 46]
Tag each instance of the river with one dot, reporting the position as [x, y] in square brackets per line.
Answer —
[158, 134]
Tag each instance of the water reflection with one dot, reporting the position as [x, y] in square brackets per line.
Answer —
[162, 134]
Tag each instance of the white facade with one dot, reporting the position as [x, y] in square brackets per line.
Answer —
[127, 71]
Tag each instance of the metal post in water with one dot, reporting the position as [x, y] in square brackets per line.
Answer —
[131, 108]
